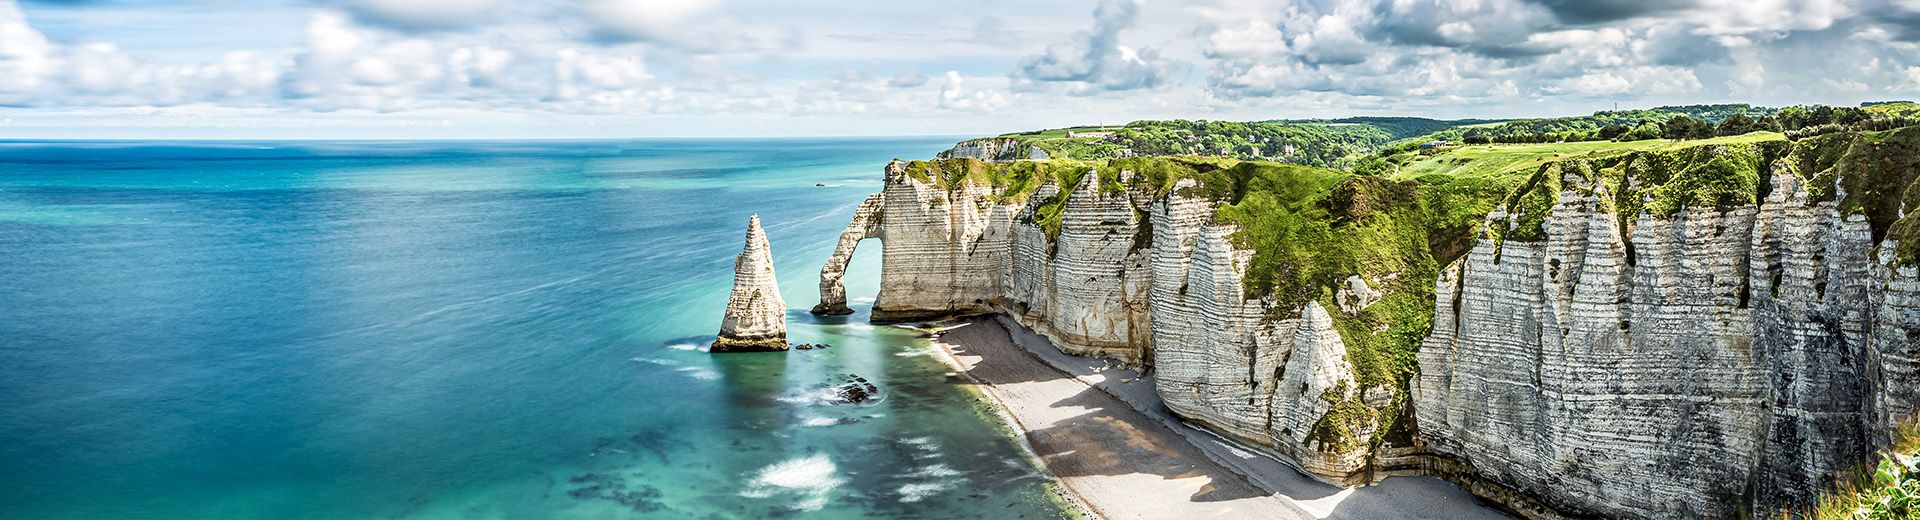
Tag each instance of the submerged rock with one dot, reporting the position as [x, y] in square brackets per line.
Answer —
[854, 389]
[756, 318]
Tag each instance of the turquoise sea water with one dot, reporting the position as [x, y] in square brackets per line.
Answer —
[459, 330]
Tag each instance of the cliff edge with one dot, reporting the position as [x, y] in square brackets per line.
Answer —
[1703, 328]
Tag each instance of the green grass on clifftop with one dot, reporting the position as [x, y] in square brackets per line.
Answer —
[1876, 173]
[1310, 229]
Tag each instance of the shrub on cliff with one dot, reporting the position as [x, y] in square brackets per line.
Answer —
[1889, 490]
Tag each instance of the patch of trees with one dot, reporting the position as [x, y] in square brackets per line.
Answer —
[1327, 145]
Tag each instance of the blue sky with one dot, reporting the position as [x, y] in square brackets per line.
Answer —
[621, 68]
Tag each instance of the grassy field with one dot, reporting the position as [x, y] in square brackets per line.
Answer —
[1495, 160]
[1060, 133]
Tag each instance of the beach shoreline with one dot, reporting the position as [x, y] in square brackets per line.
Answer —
[1103, 434]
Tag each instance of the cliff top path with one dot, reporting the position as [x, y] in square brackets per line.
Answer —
[1124, 462]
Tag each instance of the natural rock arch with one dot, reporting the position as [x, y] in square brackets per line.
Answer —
[833, 290]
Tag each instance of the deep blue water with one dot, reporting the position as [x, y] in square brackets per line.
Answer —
[459, 329]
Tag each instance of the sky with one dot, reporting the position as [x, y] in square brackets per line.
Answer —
[383, 69]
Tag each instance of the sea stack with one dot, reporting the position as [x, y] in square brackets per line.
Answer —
[756, 318]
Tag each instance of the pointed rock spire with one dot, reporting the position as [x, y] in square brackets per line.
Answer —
[756, 318]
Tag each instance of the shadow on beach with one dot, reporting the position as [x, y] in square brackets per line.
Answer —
[1126, 462]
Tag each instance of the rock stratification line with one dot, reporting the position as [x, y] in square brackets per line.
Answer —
[1703, 332]
[756, 318]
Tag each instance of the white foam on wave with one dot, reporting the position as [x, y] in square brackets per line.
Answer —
[655, 361]
[925, 443]
[918, 491]
[820, 421]
[684, 346]
[935, 471]
[701, 373]
[809, 479]
[809, 397]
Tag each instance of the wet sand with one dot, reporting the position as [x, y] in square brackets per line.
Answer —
[1123, 455]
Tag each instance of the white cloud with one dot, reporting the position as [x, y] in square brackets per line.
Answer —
[644, 20]
[954, 94]
[1630, 82]
[1742, 22]
[424, 14]
[26, 57]
[1095, 60]
[908, 78]
[765, 63]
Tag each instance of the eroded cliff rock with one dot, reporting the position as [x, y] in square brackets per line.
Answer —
[1702, 331]
[756, 318]
[1110, 266]
[1704, 356]
[995, 149]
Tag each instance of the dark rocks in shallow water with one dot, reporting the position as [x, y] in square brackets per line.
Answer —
[804, 346]
[612, 488]
[854, 389]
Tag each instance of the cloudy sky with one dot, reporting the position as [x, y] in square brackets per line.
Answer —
[617, 68]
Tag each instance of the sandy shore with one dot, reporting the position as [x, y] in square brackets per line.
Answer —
[1123, 455]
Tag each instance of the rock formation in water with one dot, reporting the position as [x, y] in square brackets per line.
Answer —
[756, 319]
[1707, 332]
[833, 293]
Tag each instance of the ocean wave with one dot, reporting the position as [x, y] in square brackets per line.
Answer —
[655, 361]
[809, 397]
[924, 443]
[685, 346]
[935, 471]
[701, 373]
[918, 491]
[825, 421]
[809, 480]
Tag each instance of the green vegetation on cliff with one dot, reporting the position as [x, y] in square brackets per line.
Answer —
[1323, 143]
[1313, 229]
[1876, 172]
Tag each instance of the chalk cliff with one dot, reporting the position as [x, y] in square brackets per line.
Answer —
[1699, 363]
[756, 318]
[1110, 266]
[1703, 332]
[998, 149]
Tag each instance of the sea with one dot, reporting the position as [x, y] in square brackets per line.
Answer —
[465, 329]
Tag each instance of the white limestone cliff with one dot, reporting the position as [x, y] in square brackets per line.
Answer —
[1128, 270]
[756, 318]
[997, 149]
[1705, 363]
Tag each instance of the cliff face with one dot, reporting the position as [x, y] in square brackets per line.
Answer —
[1219, 363]
[1694, 364]
[995, 149]
[756, 318]
[1110, 270]
[1698, 332]
[1087, 288]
